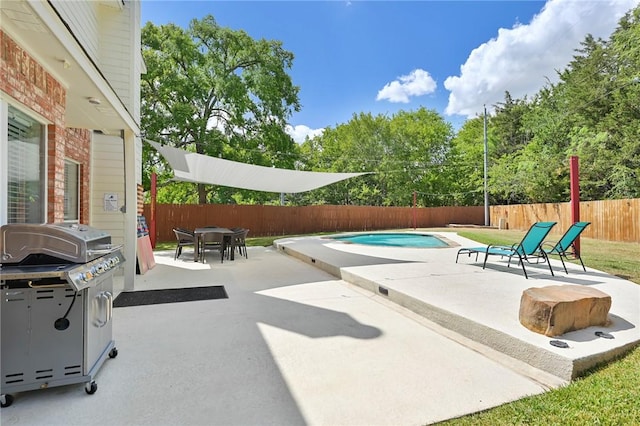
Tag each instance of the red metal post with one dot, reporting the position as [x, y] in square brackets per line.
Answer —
[152, 225]
[575, 196]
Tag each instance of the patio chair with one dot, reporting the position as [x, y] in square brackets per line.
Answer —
[529, 249]
[185, 238]
[213, 240]
[239, 240]
[565, 247]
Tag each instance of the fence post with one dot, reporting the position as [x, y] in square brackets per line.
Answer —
[575, 197]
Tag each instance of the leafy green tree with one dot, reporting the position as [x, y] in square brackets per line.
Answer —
[406, 152]
[466, 163]
[356, 146]
[623, 121]
[591, 112]
[507, 128]
[218, 92]
[420, 144]
[602, 84]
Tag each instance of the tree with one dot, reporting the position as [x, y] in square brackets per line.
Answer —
[623, 121]
[218, 92]
[592, 112]
[506, 126]
[406, 152]
[467, 163]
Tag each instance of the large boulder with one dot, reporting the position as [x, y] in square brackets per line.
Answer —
[555, 310]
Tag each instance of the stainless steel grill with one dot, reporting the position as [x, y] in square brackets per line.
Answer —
[56, 307]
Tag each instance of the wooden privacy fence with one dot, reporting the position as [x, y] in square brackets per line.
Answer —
[611, 220]
[287, 220]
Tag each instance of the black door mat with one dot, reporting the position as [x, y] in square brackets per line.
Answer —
[172, 295]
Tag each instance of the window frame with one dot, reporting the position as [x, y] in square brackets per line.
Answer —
[5, 106]
[78, 171]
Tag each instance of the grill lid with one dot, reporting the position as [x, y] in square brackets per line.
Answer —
[69, 242]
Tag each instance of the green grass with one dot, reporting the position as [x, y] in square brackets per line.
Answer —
[250, 241]
[605, 395]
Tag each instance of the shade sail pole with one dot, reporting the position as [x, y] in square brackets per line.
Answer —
[487, 220]
[575, 197]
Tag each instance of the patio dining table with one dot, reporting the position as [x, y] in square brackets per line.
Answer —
[201, 232]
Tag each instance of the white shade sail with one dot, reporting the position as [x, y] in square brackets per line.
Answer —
[198, 168]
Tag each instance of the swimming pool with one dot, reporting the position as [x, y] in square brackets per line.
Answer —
[395, 239]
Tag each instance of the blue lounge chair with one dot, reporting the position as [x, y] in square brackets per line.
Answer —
[528, 249]
[566, 246]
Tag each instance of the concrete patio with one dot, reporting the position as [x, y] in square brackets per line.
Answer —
[321, 332]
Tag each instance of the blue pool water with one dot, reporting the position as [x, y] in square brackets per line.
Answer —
[395, 240]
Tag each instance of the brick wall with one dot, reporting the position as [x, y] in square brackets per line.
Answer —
[140, 204]
[26, 81]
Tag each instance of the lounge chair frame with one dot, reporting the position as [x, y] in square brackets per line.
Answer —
[566, 246]
[528, 249]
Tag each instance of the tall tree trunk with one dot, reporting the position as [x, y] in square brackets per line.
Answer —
[202, 194]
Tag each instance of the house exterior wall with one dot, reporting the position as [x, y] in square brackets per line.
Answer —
[117, 65]
[106, 29]
[108, 178]
[83, 20]
[56, 56]
[28, 82]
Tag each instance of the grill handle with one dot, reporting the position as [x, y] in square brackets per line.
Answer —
[104, 302]
[109, 302]
[32, 285]
[103, 251]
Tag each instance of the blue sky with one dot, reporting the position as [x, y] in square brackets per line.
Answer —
[385, 56]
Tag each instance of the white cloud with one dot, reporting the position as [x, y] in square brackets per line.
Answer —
[301, 132]
[417, 83]
[522, 59]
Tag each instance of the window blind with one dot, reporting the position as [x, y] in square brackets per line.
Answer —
[25, 174]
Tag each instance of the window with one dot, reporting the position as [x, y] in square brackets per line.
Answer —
[71, 191]
[25, 169]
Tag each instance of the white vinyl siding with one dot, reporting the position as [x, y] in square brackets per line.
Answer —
[107, 177]
[109, 31]
[122, 64]
[115, 51]
[82, 19]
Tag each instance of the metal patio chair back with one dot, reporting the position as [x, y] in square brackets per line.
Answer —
[185, 238]
[528, 249]
[213, 241]
[566, 246]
